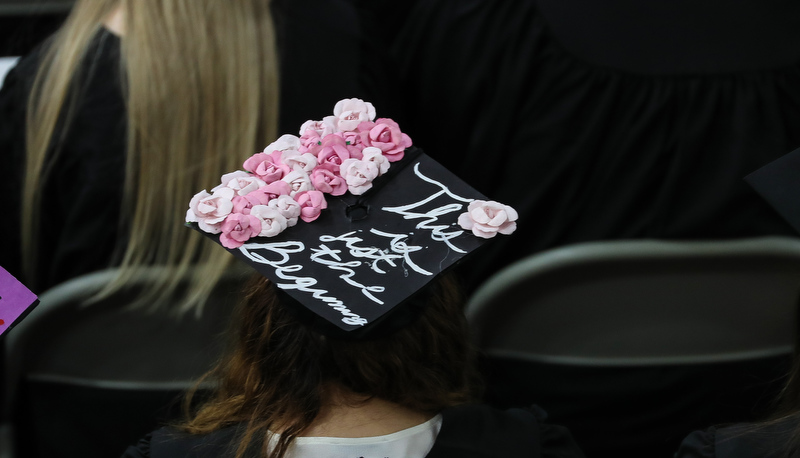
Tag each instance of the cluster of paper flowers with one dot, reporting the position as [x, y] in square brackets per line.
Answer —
[290, 178]
[288, 181]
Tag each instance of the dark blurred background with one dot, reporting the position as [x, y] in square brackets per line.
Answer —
[23, 23]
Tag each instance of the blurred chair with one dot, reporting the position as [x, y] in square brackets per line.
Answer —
[89, 380]
[632, 344]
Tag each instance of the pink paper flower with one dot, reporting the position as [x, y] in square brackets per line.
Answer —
[267, 167]
[333, 151]
[237, 229]
[385, 134]
[359, 175]
[241, 182]
[243, 204]
[320, 128]
[486, 219]
[349, 113]
[272, 221]
[353, 143]
[372, 154]
[326, 178]
[209, 210]
[311, 205]
[275, 189]
[287, 207]
[298, 182]
[295, 160]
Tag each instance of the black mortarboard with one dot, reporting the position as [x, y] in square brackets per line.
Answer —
[367, 256]
[779, 184]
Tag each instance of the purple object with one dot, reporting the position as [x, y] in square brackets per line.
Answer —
[15, 301]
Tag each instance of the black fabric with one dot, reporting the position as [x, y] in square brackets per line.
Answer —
[325, 56]
[586, 151]
[632, 412]
[767, 440]
[676, 37]
[474, 431]
[86, 173]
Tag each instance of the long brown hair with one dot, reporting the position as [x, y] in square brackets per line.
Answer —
[278, 370]
[201, 85]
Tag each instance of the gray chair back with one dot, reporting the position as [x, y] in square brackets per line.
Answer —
[649, 302]
[106, 364]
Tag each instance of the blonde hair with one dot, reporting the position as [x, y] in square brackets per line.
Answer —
[201, 84]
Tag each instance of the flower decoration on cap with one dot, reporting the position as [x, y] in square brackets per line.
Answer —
[290, 179]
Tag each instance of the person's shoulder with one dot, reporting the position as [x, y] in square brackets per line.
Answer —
[170, 442]
[483, 431]
[759, 440]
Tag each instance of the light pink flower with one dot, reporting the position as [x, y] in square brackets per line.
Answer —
[295, 160]
[268, 167]
[320, 128]
[209, 210]
[372, 154]
[287, 207]
[275, 189]
[241, 182]
[284, 143]
[237, 229]
[243, 204]
[310, 142]
[326, 178]
[359, 175]
[486, 219]
[386, 135]
[349, 113]
[311, 205]
[272, 221]
[298, 182]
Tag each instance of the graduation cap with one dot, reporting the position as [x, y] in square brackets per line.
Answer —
[357, 264]
[779, 184]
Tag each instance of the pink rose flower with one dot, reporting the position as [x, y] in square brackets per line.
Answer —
[372, 154]
[275, 189]
[298, 182]
[359, 175]
[243, 204]
[353, 143]
[349, 113]
[272, 222]
[267, 167]
[241, 182]
[237, 229]
[385, 134]
[287, 207]
[310, 142]
[210, 210]
[326, 178]
[333, 151]
[486, 219]
[311, 205]
[284, 143]
[295, 160]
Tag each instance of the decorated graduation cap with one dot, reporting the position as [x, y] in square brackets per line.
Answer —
[778, 183]
[349, 220]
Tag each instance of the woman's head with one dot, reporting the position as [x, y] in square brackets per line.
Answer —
[280, 372]
[201, 84]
